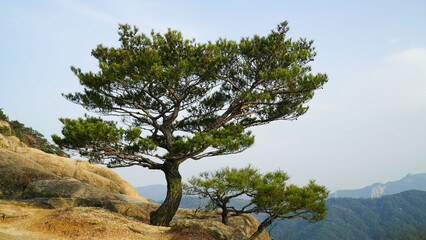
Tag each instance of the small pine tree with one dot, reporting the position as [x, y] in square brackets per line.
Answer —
[268, 193]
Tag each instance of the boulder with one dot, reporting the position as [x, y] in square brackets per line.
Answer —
[11, 143]
[66, 188]
[15, 179]
[216, 229]
[51, 181]
[69, 192]
[194, 232]
[139, 211]
[8, 157]
[12, 151]
[239, 228]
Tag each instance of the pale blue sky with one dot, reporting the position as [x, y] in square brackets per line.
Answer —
[367, 125]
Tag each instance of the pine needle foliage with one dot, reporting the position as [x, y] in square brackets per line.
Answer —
[186, 100]
[268, 194]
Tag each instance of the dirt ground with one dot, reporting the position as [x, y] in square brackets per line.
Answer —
[23, 221]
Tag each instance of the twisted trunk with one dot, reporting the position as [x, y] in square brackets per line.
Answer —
[268, 221]
[164, 214]
[225, 215]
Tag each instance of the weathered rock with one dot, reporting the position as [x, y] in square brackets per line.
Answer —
[66, 188]
[15, 179]
[247, 224]
[10, 143]
[133, 210]
[9, 158]
[217, 229]
[194, 232]
[13, 151]
[239, 227]
[65, 192]
[56, 182]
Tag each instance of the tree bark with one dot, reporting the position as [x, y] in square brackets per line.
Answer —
[164, 214]
[268, 221]
[225, 215]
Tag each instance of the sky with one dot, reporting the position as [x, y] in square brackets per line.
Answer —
[367, 125]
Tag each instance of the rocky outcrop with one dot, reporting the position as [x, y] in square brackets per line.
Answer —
[377, 191]
[66, 188]
[5, 128]
[65, 192]
[239, 227]
[15, 178]
[32, 176]
[51, 181]
[12, 151]
[213, 227]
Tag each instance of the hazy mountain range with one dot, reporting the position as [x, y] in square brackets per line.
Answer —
[398, 216]
[361, 214]
[410, 182]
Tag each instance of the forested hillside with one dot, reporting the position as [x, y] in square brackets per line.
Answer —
[409, 182]
[399, 216]
[32, 138]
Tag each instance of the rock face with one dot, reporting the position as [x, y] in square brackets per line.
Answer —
[65, 188]
[30, 175]
[15, 178]
[240, 227]
[377, 191]
[12, 151]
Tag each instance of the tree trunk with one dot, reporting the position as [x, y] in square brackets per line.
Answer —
[164, 214]
[225, 215]
[268, 221]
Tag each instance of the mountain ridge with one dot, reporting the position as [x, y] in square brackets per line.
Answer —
[397, 216]
[376, 190]
[157, 192]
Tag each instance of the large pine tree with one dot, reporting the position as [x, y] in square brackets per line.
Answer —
[186, 100]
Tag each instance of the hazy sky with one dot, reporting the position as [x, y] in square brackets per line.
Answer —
[367, 125]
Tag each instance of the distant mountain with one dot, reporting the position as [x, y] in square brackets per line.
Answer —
[158, 192]
[398, 216]
[409, 182]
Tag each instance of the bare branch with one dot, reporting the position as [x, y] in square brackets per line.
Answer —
[215, 153]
